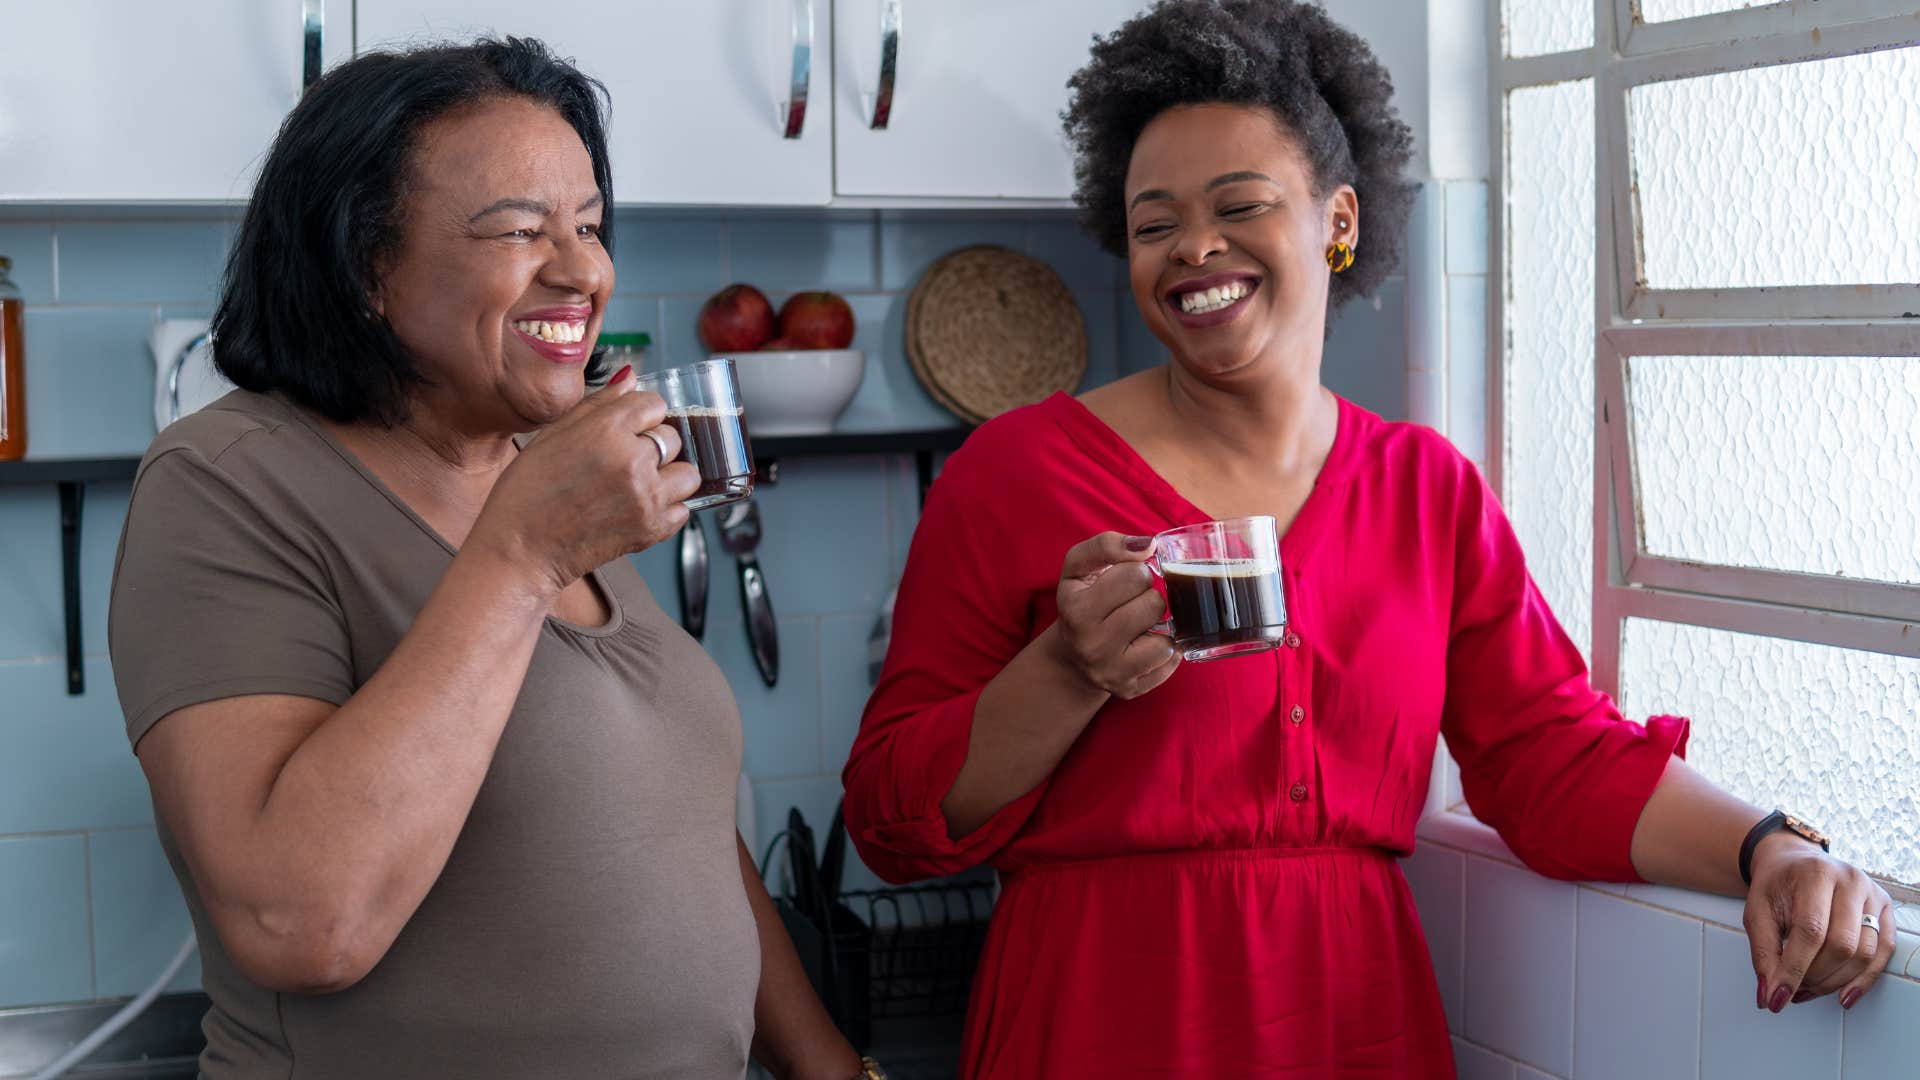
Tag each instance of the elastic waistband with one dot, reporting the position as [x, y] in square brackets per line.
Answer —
[1191, 856]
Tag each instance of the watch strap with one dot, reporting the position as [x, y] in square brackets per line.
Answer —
[1765, 827]
[1760, 831]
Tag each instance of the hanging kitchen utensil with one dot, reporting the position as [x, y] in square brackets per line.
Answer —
[694, 576]
[740, 535]
[880, 637]
[800, 867]
[833, 860]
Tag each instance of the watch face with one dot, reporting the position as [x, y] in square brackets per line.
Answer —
[1806, 831]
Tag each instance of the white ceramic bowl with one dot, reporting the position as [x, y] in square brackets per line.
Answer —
[797, 393]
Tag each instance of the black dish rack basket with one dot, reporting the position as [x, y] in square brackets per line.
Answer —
[906, 953]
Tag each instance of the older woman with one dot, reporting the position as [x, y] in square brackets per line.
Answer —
[447, 793]
[1199, 859]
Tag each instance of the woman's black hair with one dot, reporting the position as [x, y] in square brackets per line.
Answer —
[1318, 78]
[296, 311]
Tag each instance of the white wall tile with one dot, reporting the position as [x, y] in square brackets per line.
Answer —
[1522, 1072]
[1427, 399]
[1741, 1041]
[1520, 938]
[1467, 227]
[1426, 284]
[1467, 833]
[1636, 992]
[1366, 358]
[1437, 876]
[1881, 1033]
[1908, 945]
[1475, 1063]
[1722, 910]
[1467, 365]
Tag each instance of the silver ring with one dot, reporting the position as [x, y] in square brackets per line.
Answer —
[1871, 922]
[659, 444]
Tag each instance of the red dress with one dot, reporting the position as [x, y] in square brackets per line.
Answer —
[1207, 883]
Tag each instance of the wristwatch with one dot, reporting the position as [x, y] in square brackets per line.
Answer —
[870, 1070]
[1779, 819]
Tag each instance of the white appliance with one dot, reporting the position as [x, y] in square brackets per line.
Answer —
[185, 379]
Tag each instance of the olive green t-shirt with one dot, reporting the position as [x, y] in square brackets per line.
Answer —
[591, 920]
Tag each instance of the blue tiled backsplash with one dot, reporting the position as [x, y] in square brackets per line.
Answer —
[88, 908]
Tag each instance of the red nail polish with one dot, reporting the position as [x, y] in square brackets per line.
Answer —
[1779, 1001]
[618, 374]
[1760, 995]
[1139, 543]
[1847, 999]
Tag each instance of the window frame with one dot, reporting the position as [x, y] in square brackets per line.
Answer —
[1631, 319]
[1879, 601]
[1726, 43]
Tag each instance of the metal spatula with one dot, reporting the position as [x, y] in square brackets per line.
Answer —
[740, 535]
[693, 577]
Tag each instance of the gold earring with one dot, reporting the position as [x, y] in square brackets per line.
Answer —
[1339, 256]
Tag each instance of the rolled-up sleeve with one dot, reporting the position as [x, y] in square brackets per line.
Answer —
[1545, 758]
[961, 615]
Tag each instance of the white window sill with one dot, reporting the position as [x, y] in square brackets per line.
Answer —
[1461, 831]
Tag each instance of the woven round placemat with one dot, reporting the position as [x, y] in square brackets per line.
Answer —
[990, 329]
[919, 372]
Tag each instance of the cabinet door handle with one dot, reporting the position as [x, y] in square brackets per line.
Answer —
[794, 112]
[889, 64]
[313, 21]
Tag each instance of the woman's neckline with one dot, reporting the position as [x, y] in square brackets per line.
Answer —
[1099, 438]
[617, 613]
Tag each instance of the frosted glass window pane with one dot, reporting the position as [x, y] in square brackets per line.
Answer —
[1801, 463]
[1666, 10]
[1827, 733]
[1802, 174]
[1539, 27]
[1549, 365]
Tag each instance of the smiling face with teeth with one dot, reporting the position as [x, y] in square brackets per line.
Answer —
[1227, 240]
[500, 279]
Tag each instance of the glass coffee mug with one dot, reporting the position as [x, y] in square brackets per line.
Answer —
[703, 404]
[1224, 596]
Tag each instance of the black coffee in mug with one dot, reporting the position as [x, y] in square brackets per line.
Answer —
[714, 441]
[1223, 606]
[703, 405]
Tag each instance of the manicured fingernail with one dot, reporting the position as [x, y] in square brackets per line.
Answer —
[1779, 1001]
[1760, 995]
[618, 374]
[1847, 999]
[1139, 543]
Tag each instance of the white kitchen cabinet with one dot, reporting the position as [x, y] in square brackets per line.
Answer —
[977, 93]
[699, 90]
[111, 101]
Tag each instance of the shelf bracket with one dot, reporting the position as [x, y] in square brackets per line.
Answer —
[72, 494]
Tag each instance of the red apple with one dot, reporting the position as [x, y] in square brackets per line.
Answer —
[738, 318]
[817, 320]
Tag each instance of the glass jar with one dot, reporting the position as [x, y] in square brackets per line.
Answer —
[624, 349]
[13, 368]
